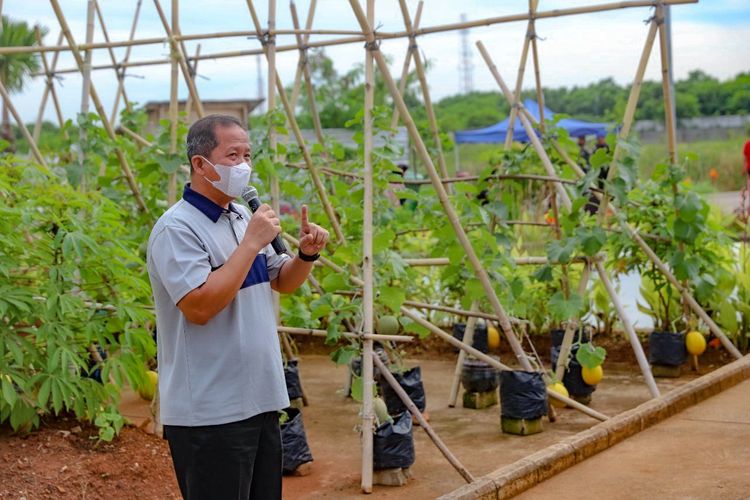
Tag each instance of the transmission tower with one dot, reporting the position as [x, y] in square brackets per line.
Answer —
[466, 70]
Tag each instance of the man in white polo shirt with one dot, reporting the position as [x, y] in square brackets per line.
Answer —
[212, 269]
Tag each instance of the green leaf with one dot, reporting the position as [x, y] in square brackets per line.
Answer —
[563, 309]
[590, 356]
[333, 282]
[344, 355]
[9, 392]
[543, 274]
[44, 390]
[391, 297]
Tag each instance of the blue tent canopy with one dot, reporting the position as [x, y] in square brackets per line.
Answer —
[496, 133]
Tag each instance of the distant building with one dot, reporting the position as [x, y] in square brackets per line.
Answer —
[239, 108]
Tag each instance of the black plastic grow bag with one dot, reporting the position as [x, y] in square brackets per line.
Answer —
[294, 441]
[479, 376]
[522, 394]
[480, 336]
[579, 336]
[411, 382]
[666, 348]
[573, 376]
[393, 444]
[291, 375]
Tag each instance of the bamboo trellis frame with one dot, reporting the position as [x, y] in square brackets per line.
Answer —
[186, 64]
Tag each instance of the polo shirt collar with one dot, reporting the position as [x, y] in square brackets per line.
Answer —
[206, 206]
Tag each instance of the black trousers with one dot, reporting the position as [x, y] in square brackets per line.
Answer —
[239, 461]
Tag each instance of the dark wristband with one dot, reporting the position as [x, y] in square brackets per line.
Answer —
[308, 258]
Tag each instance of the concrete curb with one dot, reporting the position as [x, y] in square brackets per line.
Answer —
[519, 476]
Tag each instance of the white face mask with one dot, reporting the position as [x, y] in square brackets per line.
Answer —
[232, 179]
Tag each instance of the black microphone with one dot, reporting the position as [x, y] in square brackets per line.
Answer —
[250, 195]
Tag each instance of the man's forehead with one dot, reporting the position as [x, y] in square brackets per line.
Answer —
[232, 135]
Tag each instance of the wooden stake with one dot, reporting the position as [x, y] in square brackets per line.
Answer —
[121, 71]
[442, 195]
[99, 108]
[422, 422]
[368, 417]
[176, 51]
[312, 332]
[305, 41]
[419, 67]
[49, 88]
[468, 339]
[407, 60]
[87, 60]
[21, 125]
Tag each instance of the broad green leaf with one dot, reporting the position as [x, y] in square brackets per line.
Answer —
[590, 356]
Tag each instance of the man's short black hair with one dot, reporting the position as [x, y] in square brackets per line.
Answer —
[201, 138]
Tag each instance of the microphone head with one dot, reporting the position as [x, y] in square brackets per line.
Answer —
[249, 193]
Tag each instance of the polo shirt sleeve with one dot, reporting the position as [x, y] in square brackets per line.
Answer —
[181, 261]
[274, 261]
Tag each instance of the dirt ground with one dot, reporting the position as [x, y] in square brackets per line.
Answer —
[58, 462]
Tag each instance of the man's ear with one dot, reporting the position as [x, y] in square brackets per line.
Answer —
[197, 164]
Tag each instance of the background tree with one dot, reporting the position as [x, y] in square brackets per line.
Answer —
[15, 68]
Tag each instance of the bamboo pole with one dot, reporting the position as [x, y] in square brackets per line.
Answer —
[99, 108]
[422, 422]
[121, 69]
[306, 39]
[21, 125]
[562, 357]
[112, 57]
[520, 261]
[87, 59]
[176, 51]
[174, 82]
[312, 332]
[468, 339]
[537, 76]
[519, 79]
[630, 331]
[669, 114]
[356, 36]
[368, 417]
[419, 67]
[442, 195]
[49, 88]
[497, 364]
[317, 182]
[189, 102]
[308, 79]
[407, 60]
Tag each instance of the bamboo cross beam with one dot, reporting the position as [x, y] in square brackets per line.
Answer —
[442, 195]
[303, 47]
[407, 61]
[121, 69]
[317, 182]
[49, 88]
[177, 53]
[519, 261]
[630, 331]
[125, 167]
[404, 397]
[356, 37]
[312, 332]
[21, 125]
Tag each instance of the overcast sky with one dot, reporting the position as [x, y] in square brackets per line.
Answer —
[713, 35]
